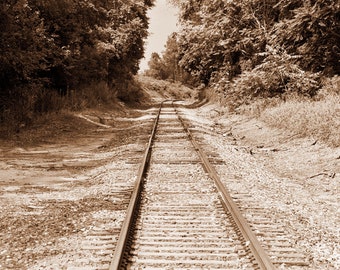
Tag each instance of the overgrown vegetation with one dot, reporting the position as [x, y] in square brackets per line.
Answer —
[256, 48]
[258, 54]
[57, 53]
[168, 90]
[316, 117]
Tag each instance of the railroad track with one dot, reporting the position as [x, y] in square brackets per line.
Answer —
[181, 216]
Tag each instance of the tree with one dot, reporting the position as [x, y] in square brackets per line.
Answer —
[171, 58]
[156, 67]
[313, 33]
[221, 40]
[221, 36]
[23, 44]
[58, 45]
[166, 67]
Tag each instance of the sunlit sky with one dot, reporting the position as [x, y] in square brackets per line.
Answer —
[163, 21]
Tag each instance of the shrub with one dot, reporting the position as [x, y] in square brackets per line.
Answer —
[277, 76]
[167, 89]
[94, 95]
[130, 91]
[331, 87]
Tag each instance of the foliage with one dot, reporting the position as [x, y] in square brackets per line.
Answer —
[157, 67]
[60, 46]
[259, 48]
[166, 67]
[168, 90]
[222, 35]
[24, 46]
[313, 33]
[277, 75]
[171, 58]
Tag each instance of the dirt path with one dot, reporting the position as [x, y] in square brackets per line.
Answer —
[53, 194]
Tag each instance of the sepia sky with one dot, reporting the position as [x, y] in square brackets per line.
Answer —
[163, 20]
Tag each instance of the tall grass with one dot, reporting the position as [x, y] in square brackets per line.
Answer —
[90, 96]
[283, 95]
[32, 102]
[318, 118]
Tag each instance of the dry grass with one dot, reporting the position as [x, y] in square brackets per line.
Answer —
[319, 119]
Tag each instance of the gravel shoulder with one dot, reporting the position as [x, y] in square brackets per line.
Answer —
[296, 179]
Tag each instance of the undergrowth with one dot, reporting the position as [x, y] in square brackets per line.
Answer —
[167, 89]
[278, 76]
[33, 103]
[317, 117]
[282, 94]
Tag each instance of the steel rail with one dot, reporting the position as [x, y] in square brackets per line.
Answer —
[128, 223]
[257, 250]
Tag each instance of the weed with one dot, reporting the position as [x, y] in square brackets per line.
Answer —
[308, 118]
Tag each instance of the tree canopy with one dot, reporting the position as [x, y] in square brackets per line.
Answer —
[225, 41]
[65, 44]
[166, 66]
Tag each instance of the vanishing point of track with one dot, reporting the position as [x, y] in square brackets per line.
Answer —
[180, 214]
